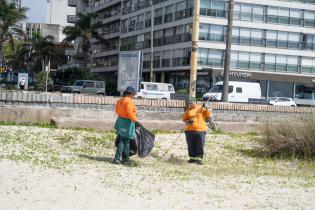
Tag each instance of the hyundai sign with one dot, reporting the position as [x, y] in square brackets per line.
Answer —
[129, 72]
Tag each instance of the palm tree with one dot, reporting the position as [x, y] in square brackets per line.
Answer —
[42, 50]
[9, 16]
[85, 30]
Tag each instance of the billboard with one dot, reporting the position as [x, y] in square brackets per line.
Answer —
[23, 81]
[129, 71]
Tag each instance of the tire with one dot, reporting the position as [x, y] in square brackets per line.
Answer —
[101, 94]
[139, 97]
[164, 99]
[76, 92]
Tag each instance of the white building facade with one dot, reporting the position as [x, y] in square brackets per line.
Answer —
[273, 42]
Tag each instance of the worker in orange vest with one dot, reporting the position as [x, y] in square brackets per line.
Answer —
[125, 125]
[195, 118]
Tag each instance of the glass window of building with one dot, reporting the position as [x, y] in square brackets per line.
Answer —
[202, 56]
[244, 60]
[309, 18]
[217, 33]
[282, 39]
[270, 62]
[294, 40]
[295, 17]
[307, 65]
[203, 31]
[215, 58]
[245, 36]
[158, 38]
[257, 37]
[168, 17]
[281, 63]
[258, 13]
[284, 15]
[271, 38]
[246, 12]
[293, 62]
[255, 60]
[158, 16]
[166, 58]
[272, 15]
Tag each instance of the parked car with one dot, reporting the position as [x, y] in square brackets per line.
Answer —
[85, 87]
[238, 92]
[281, 101]
[153, 90]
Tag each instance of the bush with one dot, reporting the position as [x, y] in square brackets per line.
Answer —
[295, 137]
[41, 82]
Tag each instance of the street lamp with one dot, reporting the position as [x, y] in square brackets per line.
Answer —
[50, 13]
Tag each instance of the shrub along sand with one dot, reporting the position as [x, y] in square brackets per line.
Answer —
[48, 168]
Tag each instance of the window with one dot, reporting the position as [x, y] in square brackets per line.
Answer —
[281, 63]
[239, 90]
[89, 85]
[99, 85]
[203, 31]
[246, 12]
[158, 18]
[168, 17]
[170, 88]
[151, 87]
[244, 60]
[166, 58]
[270, 62]
[292, 64]
[255, 60]
[215, 58]
[308, 65]
[202, 56]
[258, 13]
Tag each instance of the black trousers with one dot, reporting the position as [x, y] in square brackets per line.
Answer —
[195, 142]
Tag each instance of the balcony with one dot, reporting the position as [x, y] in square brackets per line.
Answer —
[72, 3]
[72, 19]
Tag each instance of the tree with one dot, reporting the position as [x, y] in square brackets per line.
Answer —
[9, 16]
[85, 30]
[16, 55]
[42, 50]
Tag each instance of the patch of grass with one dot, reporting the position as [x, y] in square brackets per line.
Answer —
[41, 125]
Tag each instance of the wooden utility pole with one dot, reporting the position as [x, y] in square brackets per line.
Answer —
[152, 44]
[227, 60]
[194, 53]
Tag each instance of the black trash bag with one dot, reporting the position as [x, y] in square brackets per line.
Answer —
[133, 146]
[145, 141]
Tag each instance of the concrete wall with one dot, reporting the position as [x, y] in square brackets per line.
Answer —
[78, 111]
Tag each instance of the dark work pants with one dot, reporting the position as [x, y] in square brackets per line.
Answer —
[195, 142]
[123, 148]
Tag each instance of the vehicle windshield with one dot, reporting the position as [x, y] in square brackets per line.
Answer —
[219, 89]
[78, 83]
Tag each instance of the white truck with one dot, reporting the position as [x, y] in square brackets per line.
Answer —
[238, 92]
[153, 90]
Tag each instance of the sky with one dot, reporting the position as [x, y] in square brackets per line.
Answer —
[39, 11]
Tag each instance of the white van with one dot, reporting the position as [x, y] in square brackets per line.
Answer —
[238, 92]
[153, 90]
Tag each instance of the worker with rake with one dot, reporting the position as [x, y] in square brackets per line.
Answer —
[196, 118]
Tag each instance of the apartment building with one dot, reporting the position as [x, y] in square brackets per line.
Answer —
[273, 42]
